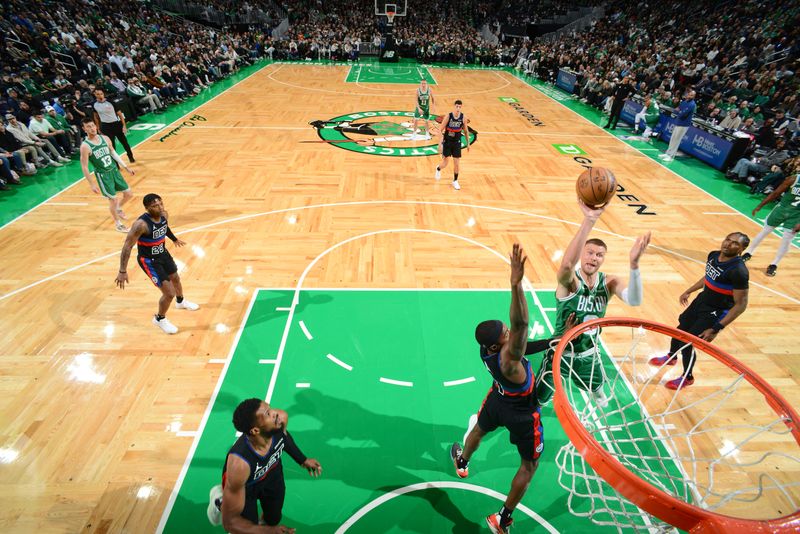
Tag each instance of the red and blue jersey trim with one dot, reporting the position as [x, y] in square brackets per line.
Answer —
[723, 289]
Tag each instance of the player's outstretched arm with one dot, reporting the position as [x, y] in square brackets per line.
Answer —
[116, 156]
[631, 293]
[137, 229]
[775, 195]
[518, 315]
[684, 298]
[566, 275]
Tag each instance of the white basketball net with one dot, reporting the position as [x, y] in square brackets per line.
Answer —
[659, 435]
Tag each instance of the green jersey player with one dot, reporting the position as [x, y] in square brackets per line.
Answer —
[423, 104]
[99, 150]
[584, 292]
[786, 214]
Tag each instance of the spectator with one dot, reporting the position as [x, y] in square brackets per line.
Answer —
[41, 128]
[683, 119]
[144, 97]
[731, 121]
[26, 138]
[746, 170]
[20, 153]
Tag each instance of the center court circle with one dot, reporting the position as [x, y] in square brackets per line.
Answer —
[376, 128]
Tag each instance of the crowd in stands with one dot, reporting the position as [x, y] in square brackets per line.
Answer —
[739, 57]
[54, 60]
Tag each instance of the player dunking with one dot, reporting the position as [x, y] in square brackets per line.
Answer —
[786, 214]
[253, 471]
[584, 292]
[149, 233]
[511, 402]
[99, 150]
[423, 106]
[454, 125]
[724, 298]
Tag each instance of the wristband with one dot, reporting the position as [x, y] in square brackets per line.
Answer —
[716, 327]
[123, 272]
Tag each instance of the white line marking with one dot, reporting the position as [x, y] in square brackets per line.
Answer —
[397, 382]
[282, 309]
[267, 362]
[459, 382]
[186, 433]
[549, 310]
[193, 110]
[217, 360]
[305, 330]
[389, 95]
[174, 494]
[398, 202]
[303, 385]
[444, 485]
[339, 362]
[210, 127]
[68, 204]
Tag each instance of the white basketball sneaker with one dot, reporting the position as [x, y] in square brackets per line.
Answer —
[187, 305]
[438, 174]
[456, 185]
[165, 325]
[214, 503]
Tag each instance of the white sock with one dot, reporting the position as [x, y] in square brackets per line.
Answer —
[759, 238]
[784, 246]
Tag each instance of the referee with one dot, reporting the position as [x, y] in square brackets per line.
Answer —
[723, 299]
[111, 122]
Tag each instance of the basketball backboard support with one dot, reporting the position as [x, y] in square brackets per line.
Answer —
[382, 6]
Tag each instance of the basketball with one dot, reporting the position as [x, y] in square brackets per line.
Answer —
[596, 186]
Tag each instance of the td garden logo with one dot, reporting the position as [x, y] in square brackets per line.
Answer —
[382, 133]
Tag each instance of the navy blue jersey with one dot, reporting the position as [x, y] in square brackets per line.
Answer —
[151, 243]
[721, 279]
[522, 395]
[454, 127]
[263, 469]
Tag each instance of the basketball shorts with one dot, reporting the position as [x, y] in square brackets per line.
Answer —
[158, 269]
[422, 113]
[586, 372]
[111, 182]
[786, 216]
[524, 424]
[271, 496]
[451, 148]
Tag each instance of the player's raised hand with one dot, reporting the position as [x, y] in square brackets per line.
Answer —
[638, 249]
[592, 213]
[313, 467]
[518, 259]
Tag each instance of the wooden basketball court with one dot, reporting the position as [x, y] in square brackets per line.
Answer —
[100, 409]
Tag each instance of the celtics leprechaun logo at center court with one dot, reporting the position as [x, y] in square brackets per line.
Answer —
[381, 133]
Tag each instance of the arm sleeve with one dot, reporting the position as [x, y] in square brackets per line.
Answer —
[539, 345]
[632, 294]
[293, 450]
[171, 235]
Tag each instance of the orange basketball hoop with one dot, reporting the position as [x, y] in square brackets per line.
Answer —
[390, 16]
[637, 478]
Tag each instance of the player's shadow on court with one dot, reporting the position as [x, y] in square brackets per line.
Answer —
[265, 310]
[379, 452]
